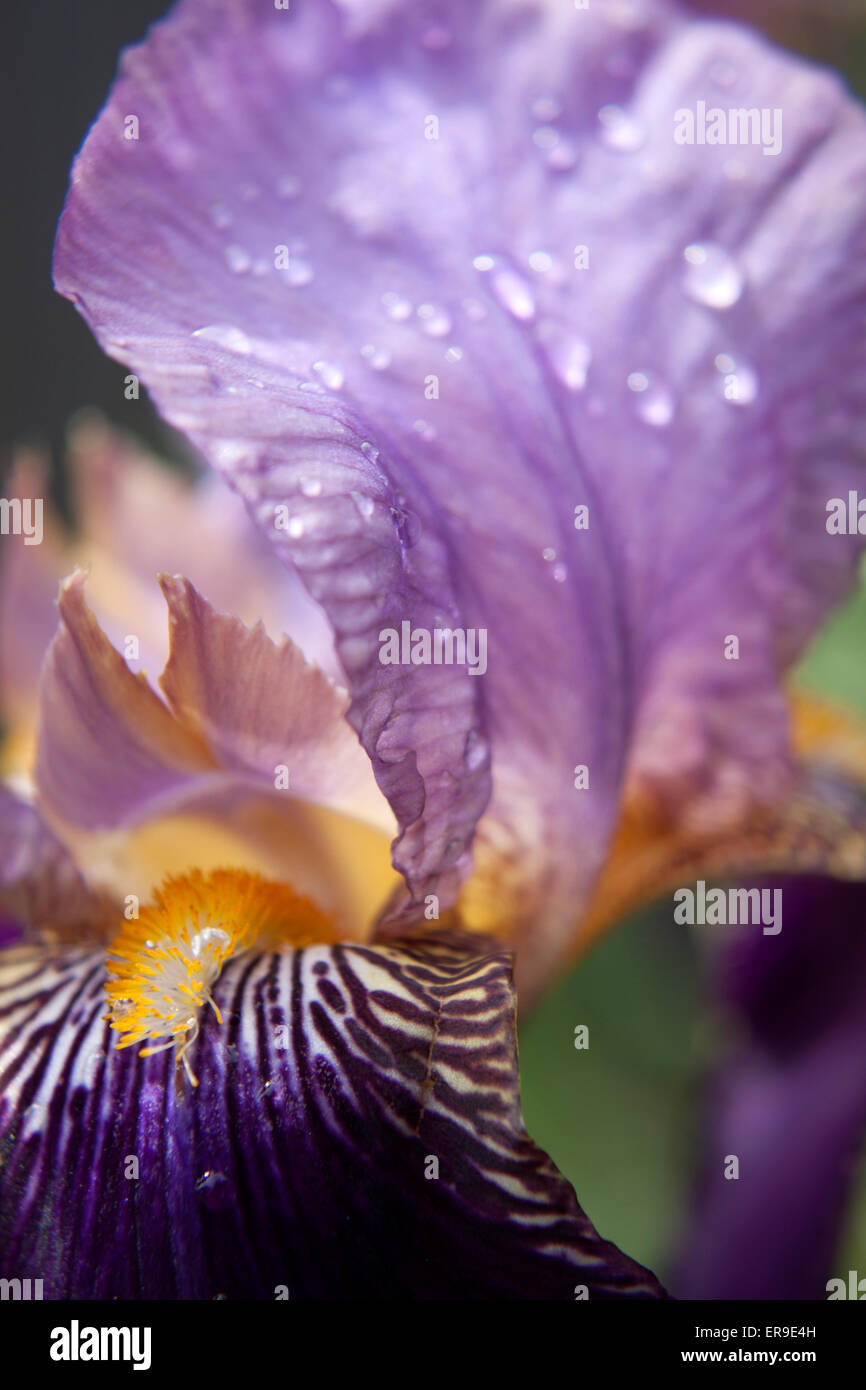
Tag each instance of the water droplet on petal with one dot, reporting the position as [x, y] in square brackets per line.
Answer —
[483, 263]
[378, 358]
[568, 355]
[656, 407]
[209, 1179]
[299, 271]
[229, 453]
[562, 157]
[435, 322]
[540, 262]
[360, 205]
[619, 130]
[425, 429]
[295, 527]
[365, 505]
[369, 451]
[546, 109]
[546, 137]
[215, 1190]
[712, 276]
[226, 335]
[406, 526]
[560, 573]
[477, 751]
[219, 215]
[330, 375]
[396, 307]
[548, 554]
[654, 403]
[311, 487]
[454, 354]
[514, 293]
[238, 260]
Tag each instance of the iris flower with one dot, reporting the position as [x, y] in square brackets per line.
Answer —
[483, 348]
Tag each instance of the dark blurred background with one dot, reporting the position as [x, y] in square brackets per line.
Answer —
[59, 57]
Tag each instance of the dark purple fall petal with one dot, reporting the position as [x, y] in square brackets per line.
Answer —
[299, 1166]
[791, 1104]
[675, 399]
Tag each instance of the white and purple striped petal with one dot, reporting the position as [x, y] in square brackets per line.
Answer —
[356, 1133]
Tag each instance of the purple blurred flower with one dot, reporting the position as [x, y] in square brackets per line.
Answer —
[483, 347]
[790, 1104]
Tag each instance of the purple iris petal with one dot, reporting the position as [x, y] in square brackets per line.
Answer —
[108, 748]
[329, 213]
[356, 1133]
[258, 705]
[130, 507]
[111, 753]
[250, 738]
[40, 886]
[790, 1104]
